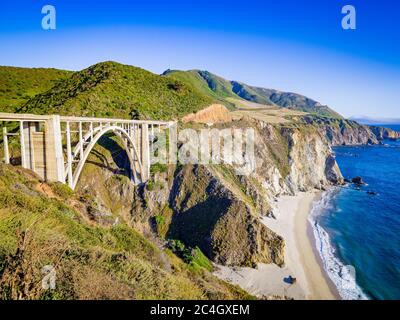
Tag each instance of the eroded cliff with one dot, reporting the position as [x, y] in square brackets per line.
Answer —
[211, 207]
[347, 132]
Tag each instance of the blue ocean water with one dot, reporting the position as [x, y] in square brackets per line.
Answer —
[354, 227]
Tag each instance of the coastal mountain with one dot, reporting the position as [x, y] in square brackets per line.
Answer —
[110, 89]
[126, 241]
[236, 94]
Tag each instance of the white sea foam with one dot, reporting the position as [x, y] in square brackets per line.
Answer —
[344, 277]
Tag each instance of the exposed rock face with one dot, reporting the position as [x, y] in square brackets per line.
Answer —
[350, 135]
[223, 224]
[213, 208]
[332, 171]
[312, 165]
[347, 132]
[384, 133]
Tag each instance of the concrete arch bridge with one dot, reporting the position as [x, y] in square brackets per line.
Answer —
[57, 147]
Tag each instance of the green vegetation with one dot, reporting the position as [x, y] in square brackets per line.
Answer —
[192, 256]
[91, 262]
[61, 190]
[160, 220]
[231, 92]
[338, 123]
[110, 89]
[18, 85]
[158, 168]
[163, 221]
[227, 173]
[206, 83]
[193, 78]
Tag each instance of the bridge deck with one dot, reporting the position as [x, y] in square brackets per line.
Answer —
[33, 117]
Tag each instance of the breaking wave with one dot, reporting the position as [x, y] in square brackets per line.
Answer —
[342, 276]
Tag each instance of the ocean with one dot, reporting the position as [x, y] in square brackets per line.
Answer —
[357, 230]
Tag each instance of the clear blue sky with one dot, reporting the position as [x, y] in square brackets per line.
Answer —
[294, 46]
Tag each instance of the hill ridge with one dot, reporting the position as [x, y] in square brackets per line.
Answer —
[236, 89]
[111, 89]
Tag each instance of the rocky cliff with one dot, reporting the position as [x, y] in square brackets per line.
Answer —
[212, 208]
[347, 132]
[384, 133]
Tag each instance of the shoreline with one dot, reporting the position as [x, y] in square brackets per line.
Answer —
[322, 287]
[331, 284]
[302, 260]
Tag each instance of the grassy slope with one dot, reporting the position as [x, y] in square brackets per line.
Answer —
[18, 85]
[110, 89]
[222, 89]
[46, 228]
[217, 88]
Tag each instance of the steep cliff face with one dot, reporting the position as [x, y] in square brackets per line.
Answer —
[347, 135]
[312, 165]
[384, 133]
[347, 132]
[214, 209]
[210, 212]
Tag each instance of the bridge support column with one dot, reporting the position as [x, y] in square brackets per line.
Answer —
[69, 157]
[173, 149]
[54, 154]
[134, 166]
[6, 150]
[145, 152]
[27, 131]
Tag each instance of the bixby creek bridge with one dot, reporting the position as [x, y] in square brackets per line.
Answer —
[57, 147]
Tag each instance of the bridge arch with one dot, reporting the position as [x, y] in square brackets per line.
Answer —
[129, 146]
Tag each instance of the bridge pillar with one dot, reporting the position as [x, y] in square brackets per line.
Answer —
[54, 153]
[27, 131]
[6, 150]
[173, 146]
[145, 152]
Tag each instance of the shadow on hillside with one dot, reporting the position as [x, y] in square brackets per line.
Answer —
[118, 154]
[194, 226]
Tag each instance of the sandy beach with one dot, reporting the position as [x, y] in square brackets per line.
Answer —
[301, 258]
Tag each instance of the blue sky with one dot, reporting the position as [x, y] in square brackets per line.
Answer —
[294, 46]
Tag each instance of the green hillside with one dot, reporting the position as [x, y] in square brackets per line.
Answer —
[47, 225]
[224, 90]
[18, 85]
[110, 89]
[206, 83]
